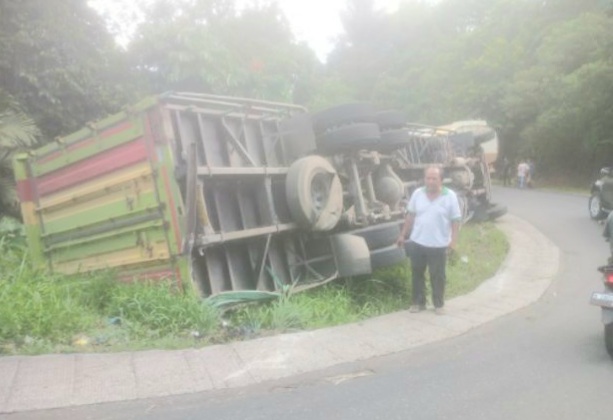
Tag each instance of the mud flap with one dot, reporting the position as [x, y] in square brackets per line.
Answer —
[351, 254]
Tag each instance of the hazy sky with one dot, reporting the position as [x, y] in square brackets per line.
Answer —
[316, 21]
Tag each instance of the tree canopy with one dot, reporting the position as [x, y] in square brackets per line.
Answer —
[540, 71]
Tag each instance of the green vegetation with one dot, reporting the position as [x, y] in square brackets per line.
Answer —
[47, 313]
[481, 250]
[41, 313]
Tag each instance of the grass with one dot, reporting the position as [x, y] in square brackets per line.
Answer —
[481, 250]
[42, 313]
[565, 184]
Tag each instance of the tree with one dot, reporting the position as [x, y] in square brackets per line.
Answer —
[60, 63]
[208, 45]
[17, 132]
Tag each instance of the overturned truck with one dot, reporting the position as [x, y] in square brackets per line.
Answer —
[229, 194]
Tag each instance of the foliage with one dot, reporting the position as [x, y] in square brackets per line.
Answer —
[42, 312]
[58, 61]
[538, 71]
[17, 132]
[154, 309]
[482, 247]
[208, 45]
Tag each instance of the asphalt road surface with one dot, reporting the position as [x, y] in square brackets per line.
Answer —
[546, 361]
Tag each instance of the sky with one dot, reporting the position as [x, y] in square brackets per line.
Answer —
[317, 22]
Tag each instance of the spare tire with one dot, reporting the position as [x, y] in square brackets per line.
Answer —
[391, 119]
[394, 139]
[314, 193]
[343, 115]
[354, 136]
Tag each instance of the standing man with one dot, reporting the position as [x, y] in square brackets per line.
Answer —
[434, 219]
[506, 171]
[522, 173]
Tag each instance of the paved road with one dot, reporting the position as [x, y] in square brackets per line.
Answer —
[545, 361]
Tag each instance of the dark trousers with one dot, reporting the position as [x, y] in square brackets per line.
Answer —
[435, 260]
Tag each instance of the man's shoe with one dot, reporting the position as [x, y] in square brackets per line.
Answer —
[416, 308]
[440, 311]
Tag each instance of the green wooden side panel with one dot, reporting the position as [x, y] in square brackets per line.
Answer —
[105, 213]
[96, 245]
[91, 149]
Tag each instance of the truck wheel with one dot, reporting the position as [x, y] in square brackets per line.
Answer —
[387, 256]
[379, 236]
[354, 136]
[595, 207]
[467, 213]
[608, 338]
[391, 119]
[394, 139]
[314, 193]
[342, 115]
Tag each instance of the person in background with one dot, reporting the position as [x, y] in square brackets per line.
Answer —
[433, 217]
[522, 173]
[608, 234]
[506, 172]
[531, 173]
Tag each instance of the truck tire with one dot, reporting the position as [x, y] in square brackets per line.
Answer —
[379, 236]
[465, 210]
[342, 115]
[394, 139]
[350, 137]
[386, 257]
[391, 119]
[608, 338]
[314, 193]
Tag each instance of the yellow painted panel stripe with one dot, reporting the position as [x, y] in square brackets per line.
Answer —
[99, 186]
[28, 211]
[125, 257]
[130, 191]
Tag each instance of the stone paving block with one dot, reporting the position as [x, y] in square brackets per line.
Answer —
[42, 382]
[202, 378]
[8, 373]
[104, 377]
[160, 373]
[284, 355]
[224, 367]
[345, 342]
[391, 337]
[449, 322]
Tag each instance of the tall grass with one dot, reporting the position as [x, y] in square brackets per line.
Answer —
[481, 249]
[40, 312]
[50, 310]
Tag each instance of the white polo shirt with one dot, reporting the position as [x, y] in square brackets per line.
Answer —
[433, 218]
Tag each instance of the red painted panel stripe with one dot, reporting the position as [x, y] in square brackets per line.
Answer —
[25, 192]
[116, 129]
[83, 171]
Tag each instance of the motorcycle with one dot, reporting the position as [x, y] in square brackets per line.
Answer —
[605, 301]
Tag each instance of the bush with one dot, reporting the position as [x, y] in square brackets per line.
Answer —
[154, 309]
[43, 310]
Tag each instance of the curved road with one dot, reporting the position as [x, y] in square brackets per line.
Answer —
[545, 361]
